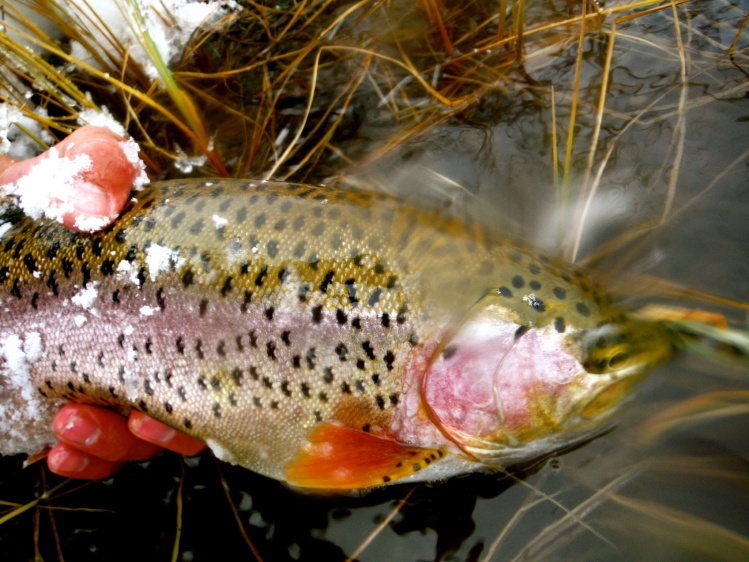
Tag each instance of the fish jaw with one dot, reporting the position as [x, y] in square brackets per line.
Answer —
[504, 394]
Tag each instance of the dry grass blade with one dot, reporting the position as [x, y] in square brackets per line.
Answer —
[379, 528]
[235, 513]
[702, 409]
[576, 516]
[695, 535]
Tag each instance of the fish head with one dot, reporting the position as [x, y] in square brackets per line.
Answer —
[522, 375]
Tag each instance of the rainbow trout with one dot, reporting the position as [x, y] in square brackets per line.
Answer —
[330, 339]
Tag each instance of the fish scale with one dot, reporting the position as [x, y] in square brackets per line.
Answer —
[268, 318]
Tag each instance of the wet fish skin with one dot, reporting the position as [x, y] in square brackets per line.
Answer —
[253, 314]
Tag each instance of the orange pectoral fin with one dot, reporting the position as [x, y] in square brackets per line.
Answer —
[341, 458]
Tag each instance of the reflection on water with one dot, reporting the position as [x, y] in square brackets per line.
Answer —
[656, 487]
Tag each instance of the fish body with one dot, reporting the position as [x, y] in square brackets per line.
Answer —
[330, 339]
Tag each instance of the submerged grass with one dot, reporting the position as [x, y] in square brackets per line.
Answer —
[319, 90]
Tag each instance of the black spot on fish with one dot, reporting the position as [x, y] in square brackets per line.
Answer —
[504, 291]
[168, 407]
[30, 263]
[216, 409]
[317, 314]
[34, 298]
[285, 388]
[518, 282]
[147, 387]
[521, 331]
[345, 388]
[272, 248]
[221, 348]
[360, 364]
[342, 351]
[107, 267]
[232, 399]
[560, 293]
[199, 349]
[380, 401]
[203, 307]
[282, 275]
[269, 312]
[261, 276]
[352, 298]
[180, 345]
[325, 285]
[368, 349]
[327, 375]
[582, 309]
[187, 423]
[160, 300]
[559, 324]
[376, 379]
[302, 293]
[296, 361]
[537, 304]
[385, 320]
[67, 267]
[449, 351]
[285, 337]
[253, 338]
[389, 360]
[245, 301]
[260, 220]
[305, 389]
[237, 375]
[244, 267]
[359, 384]
[271, 350]
[393, 399]
[187, 278]
[402, 311]
[311, 357]
[356, 323]
[226, 288]
[241, 215]
[535, 285]
[374, 298]
[267, 383]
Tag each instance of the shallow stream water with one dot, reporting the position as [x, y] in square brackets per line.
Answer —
[638, 492]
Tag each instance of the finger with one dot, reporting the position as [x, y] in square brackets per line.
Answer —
[112, 172]
[100, 432]
[154, 431]
[66, 460]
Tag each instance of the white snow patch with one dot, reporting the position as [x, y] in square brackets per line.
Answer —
[148, 310]
[4, 227]
[128, 331]
[169, 24]
[86, 297]
[132, 355]
[101, 118]
[219, 221]
[131, 385]
[159, 258]
[79, 320]
[185, 163]
[14, 141]
[127, 271]
[48, 188]
[220, 452]
[91, 224]
[25, 418]
[132, 150]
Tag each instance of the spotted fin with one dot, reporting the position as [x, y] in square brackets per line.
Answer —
[341, 458]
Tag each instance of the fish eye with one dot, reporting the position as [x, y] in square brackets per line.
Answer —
[618, 359]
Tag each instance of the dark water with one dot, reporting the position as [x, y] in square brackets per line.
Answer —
[635, 493]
